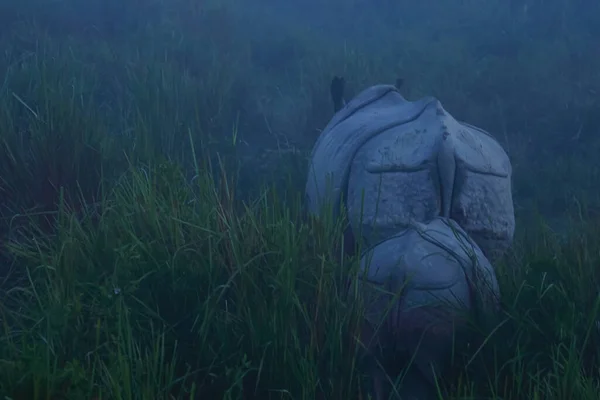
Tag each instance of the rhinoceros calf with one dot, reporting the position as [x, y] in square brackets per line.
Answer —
[420, 286]
[393, 161]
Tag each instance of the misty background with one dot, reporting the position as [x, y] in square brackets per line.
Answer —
[249, 79]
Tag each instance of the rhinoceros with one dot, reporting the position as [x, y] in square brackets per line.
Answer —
[420, 286]
[430, 198]
[392, 161]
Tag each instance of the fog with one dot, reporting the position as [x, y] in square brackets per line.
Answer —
[526, 71]
[137, 138]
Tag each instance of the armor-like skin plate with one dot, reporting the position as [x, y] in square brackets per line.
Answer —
[420, 286]
[393, 161]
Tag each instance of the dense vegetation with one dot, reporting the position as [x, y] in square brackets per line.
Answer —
[152, 158]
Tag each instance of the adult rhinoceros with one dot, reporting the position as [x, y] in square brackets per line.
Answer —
[393, 161]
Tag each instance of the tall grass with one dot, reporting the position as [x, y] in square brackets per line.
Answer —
[139, 263]
[173, 289]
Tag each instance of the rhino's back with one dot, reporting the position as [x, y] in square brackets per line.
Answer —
[395, 177]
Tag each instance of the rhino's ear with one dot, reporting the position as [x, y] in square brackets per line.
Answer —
[337, 92]
[399, 83]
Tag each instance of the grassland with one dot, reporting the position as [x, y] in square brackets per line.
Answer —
[151, 167]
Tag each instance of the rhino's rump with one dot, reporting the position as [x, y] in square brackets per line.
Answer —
[398, 176]
[482, 196]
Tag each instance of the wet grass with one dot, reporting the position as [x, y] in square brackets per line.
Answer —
[138, 264]
[171, 289]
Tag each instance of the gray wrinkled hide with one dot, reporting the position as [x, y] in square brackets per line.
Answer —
[419, 285]
[398, 161]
